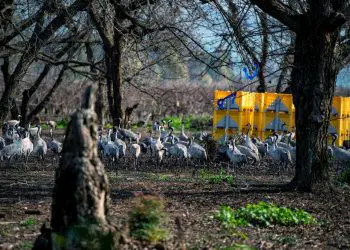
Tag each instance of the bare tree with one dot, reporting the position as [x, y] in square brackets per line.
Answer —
[40, 28]
[320, 52]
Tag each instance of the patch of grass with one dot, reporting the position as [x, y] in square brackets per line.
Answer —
[147, 218]
[25, 245]
[262, 214]
[29, 222]
[163, 177]
[211, 178]
[237, 247]
[62, 123]
[191, 122]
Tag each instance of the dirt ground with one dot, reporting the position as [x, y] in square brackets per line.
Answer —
[25, 198]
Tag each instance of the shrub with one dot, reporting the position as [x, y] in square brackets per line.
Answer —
[147, 218]
[222, 177]
[263, 214]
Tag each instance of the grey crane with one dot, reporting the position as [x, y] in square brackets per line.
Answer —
[40, 146]
[339, 154]
[126, 133]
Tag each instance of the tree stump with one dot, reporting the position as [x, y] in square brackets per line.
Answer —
[81, 193]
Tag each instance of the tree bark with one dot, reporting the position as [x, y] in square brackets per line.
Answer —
[313, 84]
[264, 53]
[113, 65]
[117, 80]
[80, 198]
[99, 107]
[14, 110]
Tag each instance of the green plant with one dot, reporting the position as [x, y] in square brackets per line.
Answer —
[190, 122]
[163, 177]
[147, 218]
[262, 214]
[222, 177]
[29, 222]
[62, 123]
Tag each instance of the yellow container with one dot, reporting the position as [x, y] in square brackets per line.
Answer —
[266, 112]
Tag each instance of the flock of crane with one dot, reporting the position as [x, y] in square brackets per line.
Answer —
[161, 142]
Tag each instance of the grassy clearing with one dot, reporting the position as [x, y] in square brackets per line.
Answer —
[262, 214]
[220, 178]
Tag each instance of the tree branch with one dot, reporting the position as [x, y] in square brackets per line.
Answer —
[280, 11]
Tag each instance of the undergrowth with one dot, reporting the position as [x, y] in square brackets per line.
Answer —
[190, 122]
[262, 214]
[147, 219]
[211, 178]
[62, 123]
[345, 176]
[29, 222]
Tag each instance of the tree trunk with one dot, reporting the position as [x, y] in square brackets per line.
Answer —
[313, 84]
[113, 65]
[117, 84]
[100, 103]
[109, 81]
[264, 53]
[80, 198]
[14, 109]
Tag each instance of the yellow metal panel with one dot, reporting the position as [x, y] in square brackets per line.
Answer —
[266, 111]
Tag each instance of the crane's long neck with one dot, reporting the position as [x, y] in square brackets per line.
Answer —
[190, 141]
[249, 127]
[233, 143]
[109, 135]
[275, 142]
[159, 136]
[183, 128]
[333, 141]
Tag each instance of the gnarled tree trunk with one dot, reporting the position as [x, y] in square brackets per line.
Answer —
[313, 80]
[113, 65]
[313, 84]
[80, 197]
